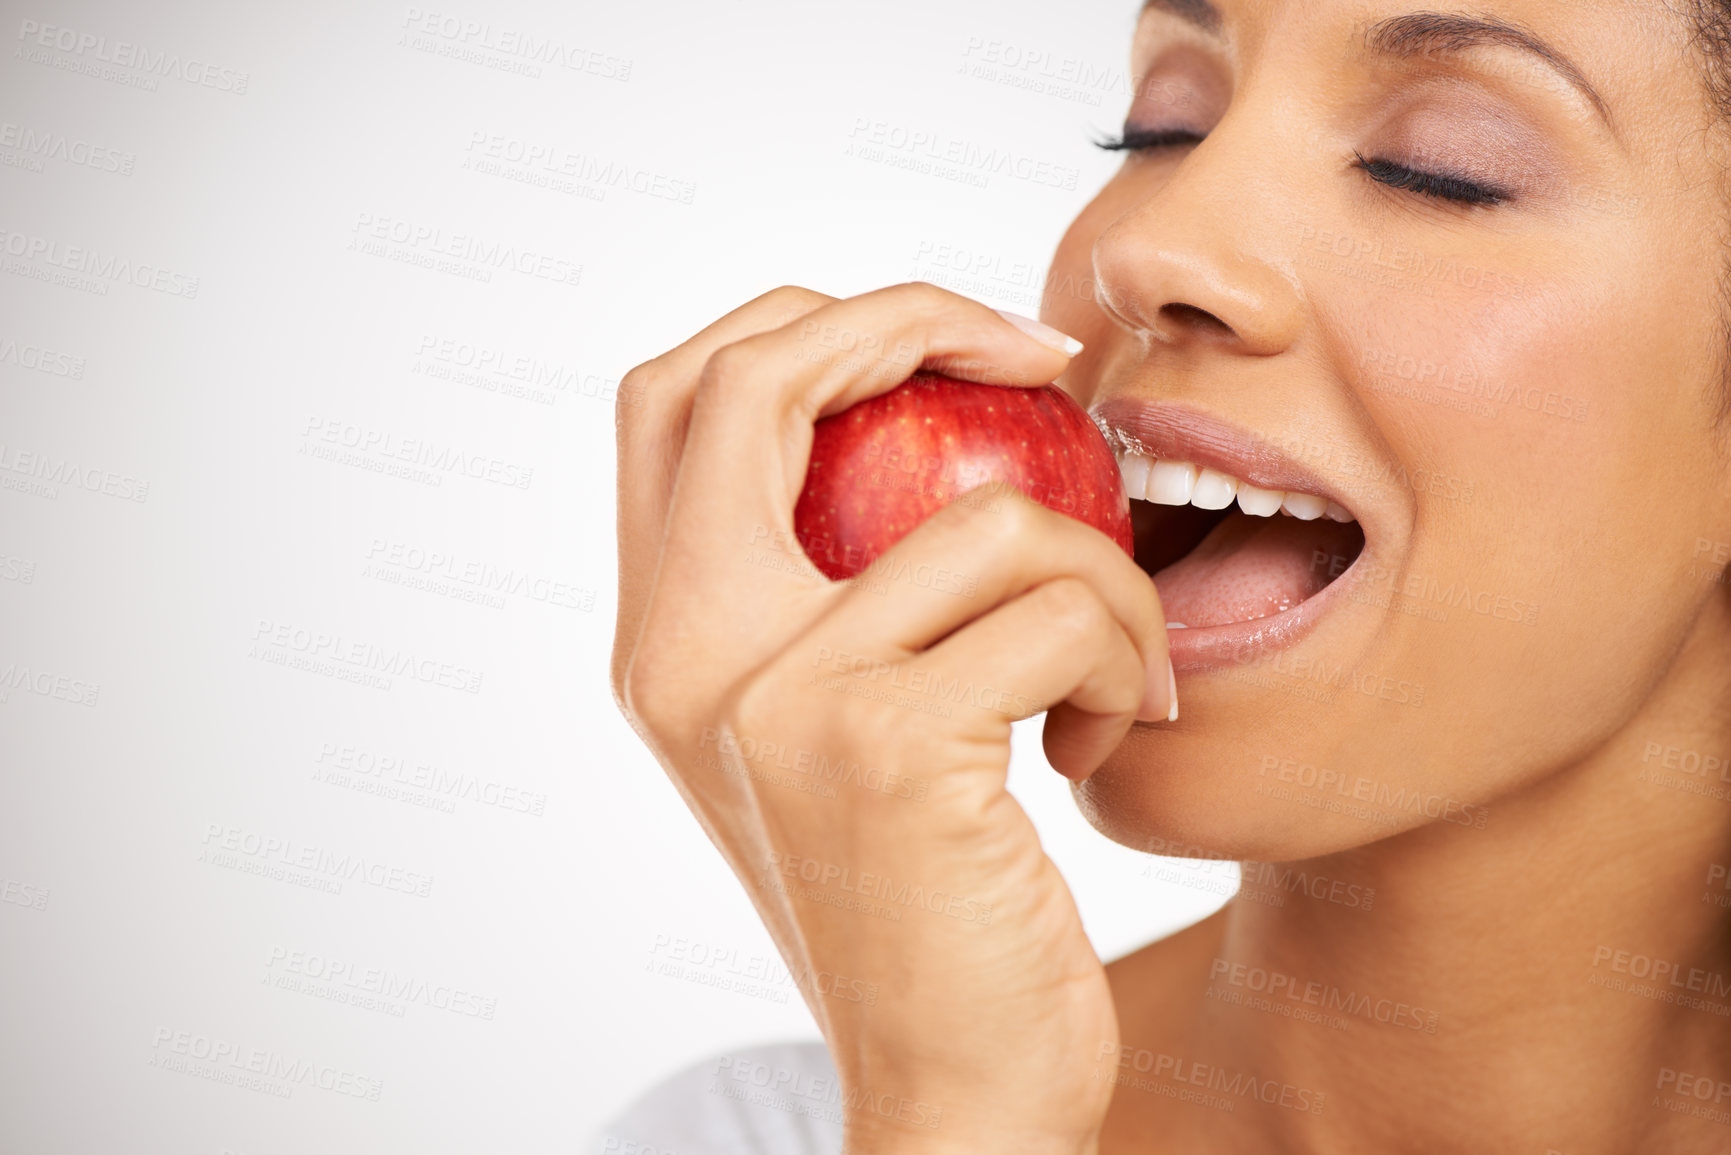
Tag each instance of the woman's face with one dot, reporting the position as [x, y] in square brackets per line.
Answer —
[1457, 272]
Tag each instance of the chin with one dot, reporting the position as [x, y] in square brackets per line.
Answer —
[1196, 795]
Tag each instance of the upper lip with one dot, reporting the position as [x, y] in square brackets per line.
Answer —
[1179, 433]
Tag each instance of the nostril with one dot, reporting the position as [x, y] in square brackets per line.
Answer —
[1190, 317]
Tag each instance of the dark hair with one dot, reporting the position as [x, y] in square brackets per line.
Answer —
[1711, 36]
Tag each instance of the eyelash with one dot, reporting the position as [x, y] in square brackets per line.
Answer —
[1438, 186]
[1136, 139]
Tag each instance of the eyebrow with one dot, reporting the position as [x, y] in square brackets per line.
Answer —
[1438, 33]
[1198, 12]
[1422, 34]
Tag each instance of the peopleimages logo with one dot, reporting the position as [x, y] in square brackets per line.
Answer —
[810, 763]
[373, 234]
[921, 149]
[583, 168]
[1358, 788]
[762, 975]
[830, 876]
[514, 43]
[158, 63]
[413, 451]
[45, 467]
[1210, 1077]
[316, 860]
[496, 369]
[42, 360]
[47, 684]
[481, 576]
[361, 656]
[1042, 71]
[1660, 970]
[40, 144]
[23, 894]
[85, 261]
[233, 1059]
[1276, 985]
[1291, 880]
[442, 784]
[348, 976]
[745, 1079]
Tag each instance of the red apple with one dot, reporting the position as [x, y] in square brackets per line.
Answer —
[885, 465]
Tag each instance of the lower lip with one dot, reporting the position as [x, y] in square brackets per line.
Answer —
[1200, 648]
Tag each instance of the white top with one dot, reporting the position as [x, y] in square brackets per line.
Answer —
[780, 1099]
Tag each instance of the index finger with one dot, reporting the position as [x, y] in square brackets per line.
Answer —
[652, 415]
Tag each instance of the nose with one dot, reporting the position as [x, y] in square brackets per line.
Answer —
[1200, 258]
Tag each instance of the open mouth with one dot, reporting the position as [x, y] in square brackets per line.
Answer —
[1238, 564]
[1222, 551]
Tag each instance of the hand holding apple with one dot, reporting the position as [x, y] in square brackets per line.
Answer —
[752, 681]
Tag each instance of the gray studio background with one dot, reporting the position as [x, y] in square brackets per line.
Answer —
[318, 829]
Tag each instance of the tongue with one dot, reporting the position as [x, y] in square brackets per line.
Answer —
[1253, 567]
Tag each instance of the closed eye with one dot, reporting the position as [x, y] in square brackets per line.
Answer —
[1437, 185]
[1137, 139]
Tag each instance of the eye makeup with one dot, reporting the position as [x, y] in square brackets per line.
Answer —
[1441, 141]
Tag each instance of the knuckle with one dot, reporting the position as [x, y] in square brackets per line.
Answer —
[751, 708]
[976, 520]
[793, 299]
[727, 370]
[925, 296]
[788, 701]
[964, 518]
[618, 668]
[1072, 607]
[1003, 517]
[761, 708]
[637, 384]
[643, 693]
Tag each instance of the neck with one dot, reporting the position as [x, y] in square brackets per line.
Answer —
[1555, 980]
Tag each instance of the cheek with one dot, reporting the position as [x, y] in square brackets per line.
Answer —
[1485, 398]
[1536, 583]
[1544, 433]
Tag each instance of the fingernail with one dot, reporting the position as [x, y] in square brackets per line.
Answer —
[1151, 709]
[1043, 333]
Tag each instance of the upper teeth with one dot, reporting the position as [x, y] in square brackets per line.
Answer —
[1181, 483]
